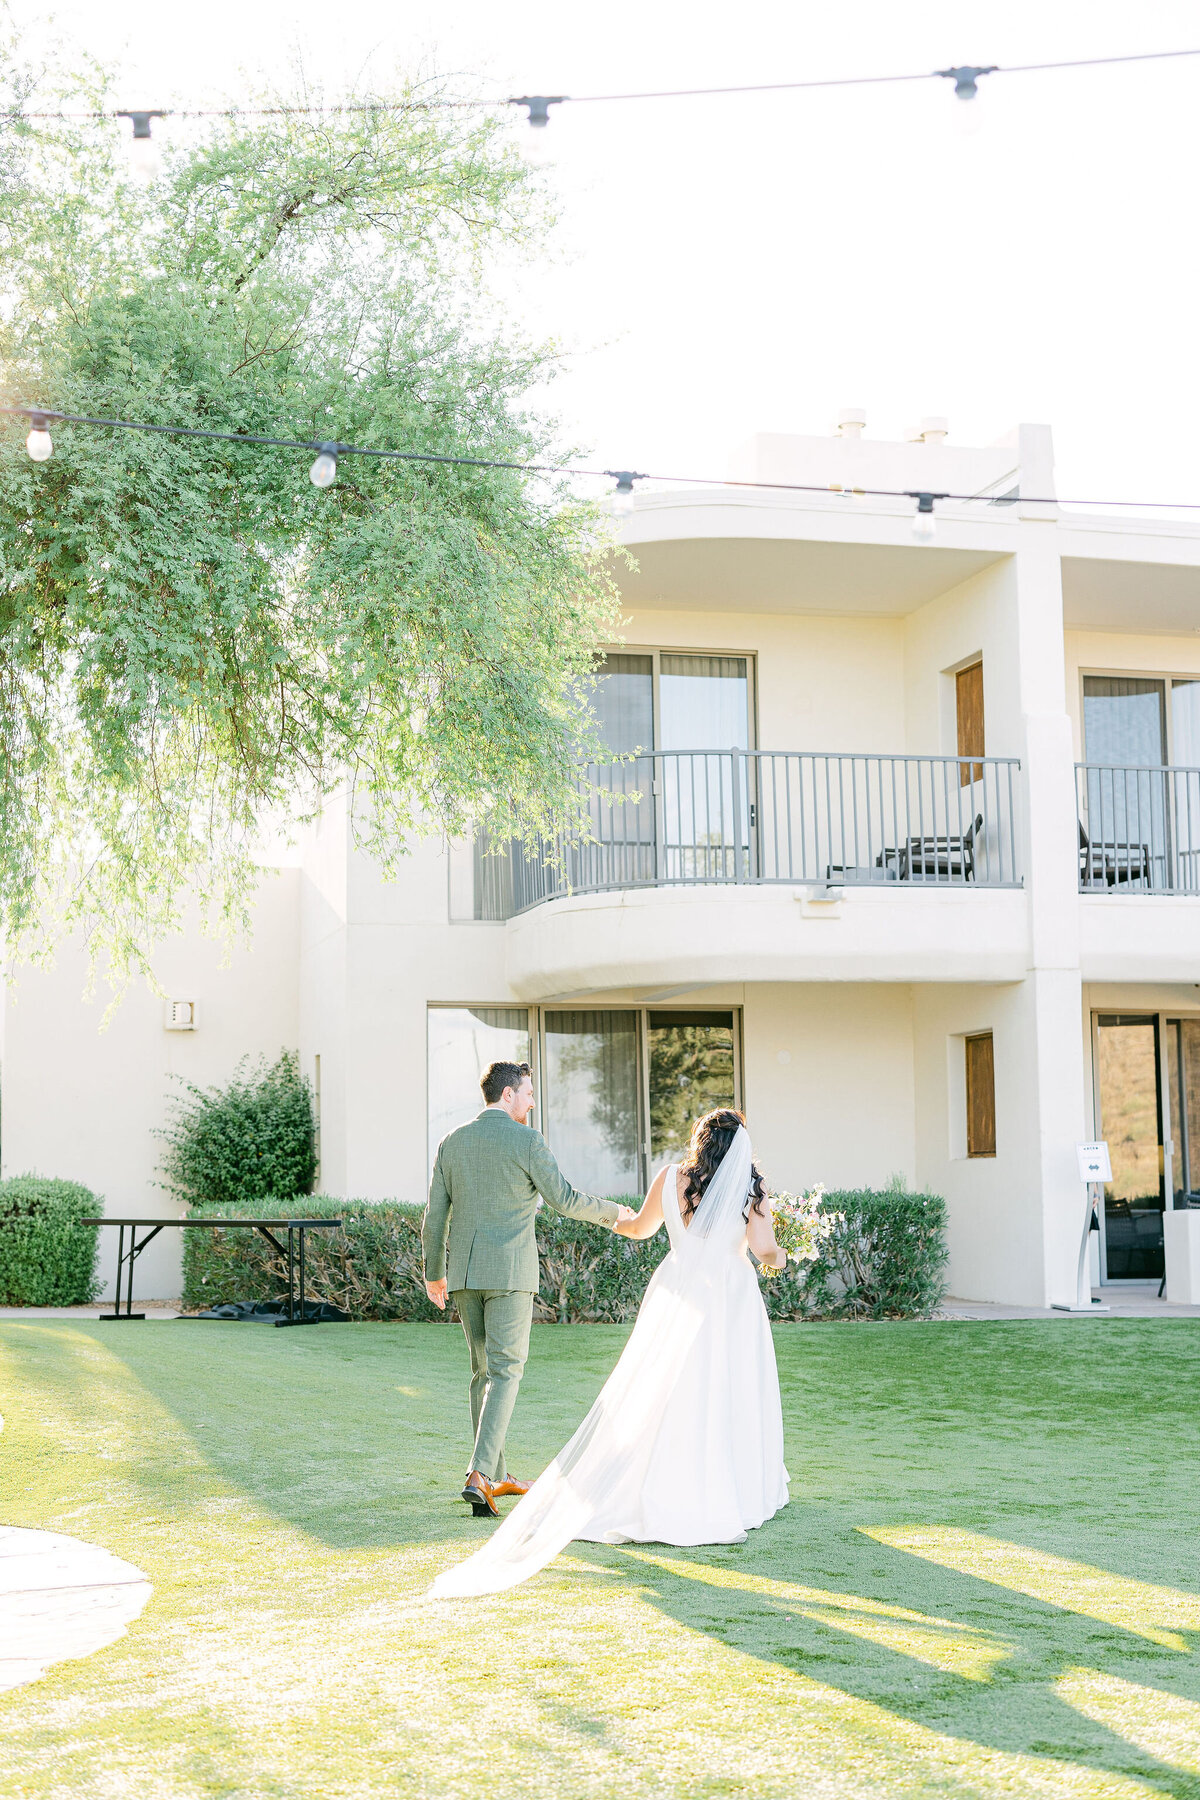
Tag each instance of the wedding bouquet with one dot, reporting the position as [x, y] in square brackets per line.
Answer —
[800, 1226]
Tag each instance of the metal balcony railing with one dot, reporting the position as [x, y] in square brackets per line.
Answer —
[696, 817]
[1139, 829]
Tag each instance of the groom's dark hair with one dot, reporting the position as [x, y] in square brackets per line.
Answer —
[500, 1075]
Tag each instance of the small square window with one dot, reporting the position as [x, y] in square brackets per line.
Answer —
[981, 1095]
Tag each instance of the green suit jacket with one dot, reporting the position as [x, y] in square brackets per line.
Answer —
[478, 1227]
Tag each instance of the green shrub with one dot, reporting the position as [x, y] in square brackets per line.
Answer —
[884, 1261]
[371, 1268]
[47, 1256]
[250, 1140]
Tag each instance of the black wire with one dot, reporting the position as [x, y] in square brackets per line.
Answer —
[766, 87]
[35, 413]
[773, 87]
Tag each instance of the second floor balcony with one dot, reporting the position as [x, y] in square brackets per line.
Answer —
[1139, 829]
[729, 818]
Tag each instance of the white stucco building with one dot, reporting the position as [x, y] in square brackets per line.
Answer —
[914, 877]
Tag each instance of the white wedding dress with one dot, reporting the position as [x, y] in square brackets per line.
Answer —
[685, 1443]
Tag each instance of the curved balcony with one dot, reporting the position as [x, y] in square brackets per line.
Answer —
[696, 860]
[703, 818]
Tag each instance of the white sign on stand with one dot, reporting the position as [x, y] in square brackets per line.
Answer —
[1095, 1166]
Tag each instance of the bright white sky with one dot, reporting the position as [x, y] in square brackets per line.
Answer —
[734, 265]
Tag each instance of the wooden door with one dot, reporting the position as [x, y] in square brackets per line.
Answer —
[981, 1095]
[968, 684]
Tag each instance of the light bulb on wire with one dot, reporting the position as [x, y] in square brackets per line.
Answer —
[537, 107]
[967, 117]
[38, 442]
[623, 500]
[323, 473]
[924, 527]
[144, 156]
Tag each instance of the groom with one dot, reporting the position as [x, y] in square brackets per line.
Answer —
[478, 1239]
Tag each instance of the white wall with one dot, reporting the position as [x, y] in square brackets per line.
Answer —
[83, 1104]
[995, 1233]
[829, 1083]
[975, 619]
[368, 974]
[824, 683]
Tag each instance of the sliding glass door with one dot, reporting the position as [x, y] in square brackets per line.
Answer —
[623, 1087]
[704, 713]
[591, 1105]
[692, 816]
[1130, 1107]
[624, 852]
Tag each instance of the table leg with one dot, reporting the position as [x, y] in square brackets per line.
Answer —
[120, 1270]
[123, 1261]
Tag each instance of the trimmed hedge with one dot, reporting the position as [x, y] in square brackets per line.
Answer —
[253, 1139]
[47, 1257]
[884, 1261]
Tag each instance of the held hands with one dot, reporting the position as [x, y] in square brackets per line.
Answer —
[625, 1218]
[437, 1293]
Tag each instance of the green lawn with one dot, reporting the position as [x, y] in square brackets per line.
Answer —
[986, 1583]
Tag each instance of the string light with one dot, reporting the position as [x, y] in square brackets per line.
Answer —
[40, 417]
[965, 77]
[537, 107]
[924, 520]
[144, 153]
[38, 443]
[323, 473]
[623, 500]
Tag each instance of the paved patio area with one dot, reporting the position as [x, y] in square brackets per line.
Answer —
[1131, 1301]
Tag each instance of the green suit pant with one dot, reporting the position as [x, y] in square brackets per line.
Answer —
[496, 1322]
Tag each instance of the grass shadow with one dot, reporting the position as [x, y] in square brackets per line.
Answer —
[940, 1648]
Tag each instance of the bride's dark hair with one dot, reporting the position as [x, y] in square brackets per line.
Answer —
[711, 1137]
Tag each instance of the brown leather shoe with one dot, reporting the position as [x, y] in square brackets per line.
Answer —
[510, 1485]
[477, 1491]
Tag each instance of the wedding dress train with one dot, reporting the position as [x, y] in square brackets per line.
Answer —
[685, 1442]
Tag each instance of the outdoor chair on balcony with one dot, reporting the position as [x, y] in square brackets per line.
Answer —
[950, 858]
[1108, 863]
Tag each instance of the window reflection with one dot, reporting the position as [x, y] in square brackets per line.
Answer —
[691, 1072]
[592, 1099]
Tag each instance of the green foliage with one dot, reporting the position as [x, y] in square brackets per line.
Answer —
[884, 1261]
[193, 637]
[371, 1268]
[47, 1257]
[249, 1140]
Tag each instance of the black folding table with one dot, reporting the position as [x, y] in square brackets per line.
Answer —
[293, 1254]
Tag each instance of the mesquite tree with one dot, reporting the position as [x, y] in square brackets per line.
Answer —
[192, 636]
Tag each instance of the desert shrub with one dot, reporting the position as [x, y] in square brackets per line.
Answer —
[252, 1139]
[372, 1268]
[884, 1260]
[47, 1256]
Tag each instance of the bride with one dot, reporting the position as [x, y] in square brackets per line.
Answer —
[685, 1443]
